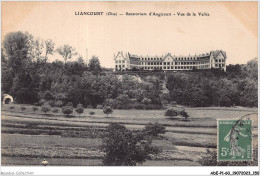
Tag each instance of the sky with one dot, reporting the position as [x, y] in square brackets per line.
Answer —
[231, 26]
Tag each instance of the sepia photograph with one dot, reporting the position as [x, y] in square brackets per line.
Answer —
[171, 83]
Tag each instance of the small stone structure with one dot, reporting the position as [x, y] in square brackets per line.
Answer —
[8, 99]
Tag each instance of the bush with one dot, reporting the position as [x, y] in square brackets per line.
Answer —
[58, 103]
[175, 111]
[46, 108]
[154, 129]
[55, 110]
[79, 109]
[91, 113]
[171, 112]
[184, 114]
[12, 108]
[107, 110]
[99, 106]
[67, 110]
[35, 108]
[23, 108]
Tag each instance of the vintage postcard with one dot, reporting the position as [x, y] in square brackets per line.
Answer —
[120, 83]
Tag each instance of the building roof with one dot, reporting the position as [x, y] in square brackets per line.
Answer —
[120, 53]
[204, 56]
[217, 52]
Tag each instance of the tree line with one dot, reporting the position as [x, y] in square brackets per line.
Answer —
[30, 78]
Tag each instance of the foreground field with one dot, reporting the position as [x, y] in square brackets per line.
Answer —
[29, 137]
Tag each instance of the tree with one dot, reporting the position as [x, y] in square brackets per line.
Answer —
[123, 147]
[49, 48]
[46, 107]
[25, 87]
[107, 110]
[18, 47]
[79, 109]
[94, 65]
[67, 52]
[67, 110]
[38, 49]
[80, 60]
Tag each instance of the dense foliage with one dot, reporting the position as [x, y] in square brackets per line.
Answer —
[237, 86]
[124, 147]
[30, 79]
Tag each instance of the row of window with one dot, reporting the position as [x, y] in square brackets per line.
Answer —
[220, 60]
[177, 58]
[120, 61]
[219, 65]
[171, 67]
[168, 63]
[120, 66]
[171, 63]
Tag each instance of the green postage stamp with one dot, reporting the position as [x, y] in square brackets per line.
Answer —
[235, 140]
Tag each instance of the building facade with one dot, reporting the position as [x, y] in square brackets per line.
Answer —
[168, 62]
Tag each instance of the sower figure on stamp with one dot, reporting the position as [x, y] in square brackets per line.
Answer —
[233, 136]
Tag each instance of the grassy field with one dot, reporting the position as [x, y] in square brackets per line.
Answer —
[76, 140]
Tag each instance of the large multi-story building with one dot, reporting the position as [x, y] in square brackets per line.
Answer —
[168, 62]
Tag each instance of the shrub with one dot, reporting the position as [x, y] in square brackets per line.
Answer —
[35, 108]
[171, 112]
[107, 110]
[175, 111]
[154, 129]
[58, 103]
[91, 113]
[99, 106]
[55, 110]
[12, 108]
[79, 109]
[67, 110]
[23, 108]
[46, 108]
[184, 114]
